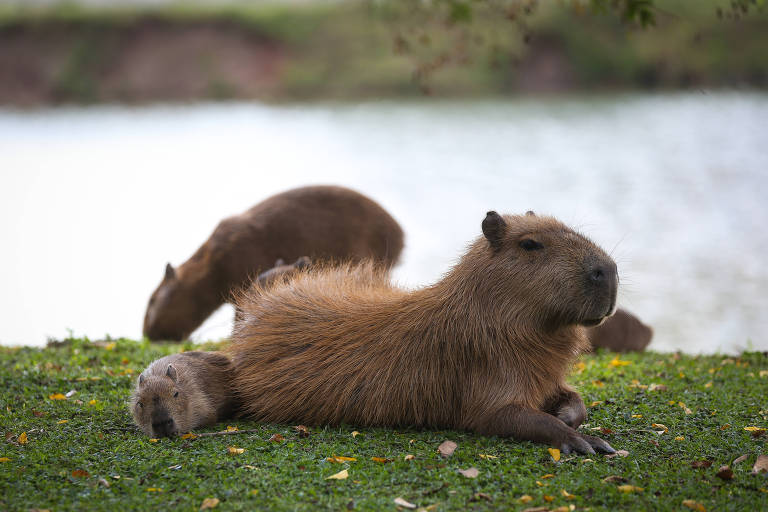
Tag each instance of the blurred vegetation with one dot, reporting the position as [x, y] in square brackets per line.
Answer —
[390, 48]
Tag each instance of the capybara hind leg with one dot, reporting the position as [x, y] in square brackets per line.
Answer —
[527, 424]
[568, 406]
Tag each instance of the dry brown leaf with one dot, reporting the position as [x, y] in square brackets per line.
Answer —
[402, 503]
[36, 414]
[409, 457]
[548, 498]
[614, 478]
[22, 439]
[619, 453]
[525, 498]
[659, 425]
[380, 459]
[537, 509]
[761, 464]
[657, 387]
[629, 488]
[276, 438]
[555, 453]
[341, 475]
[80, 473]
[567, 495]
[606, 430]
[102, 482]
[447, 448]
[188, 435]
[740, 459]
[725, 473]
[701, 464]
[301, 430]
[209, 503]
[482, 496]
[470, 472]
[694, 505]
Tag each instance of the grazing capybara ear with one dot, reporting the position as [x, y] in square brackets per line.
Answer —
[494, 228]
[530, 213]
[169, 272]
[142, 378]
[171, 372]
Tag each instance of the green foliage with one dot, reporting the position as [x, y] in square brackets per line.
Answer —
[78, 446]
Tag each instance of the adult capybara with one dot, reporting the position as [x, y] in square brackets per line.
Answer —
[322, 222]
[623, 332]
[180, 392]
[485, 349]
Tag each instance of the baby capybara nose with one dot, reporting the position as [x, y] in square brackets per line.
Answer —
[163, 425]
[600, 274]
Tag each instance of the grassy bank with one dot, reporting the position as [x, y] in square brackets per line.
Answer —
[679, 417]
[352, 49]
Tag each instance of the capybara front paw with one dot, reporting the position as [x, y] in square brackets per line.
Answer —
[585, 445]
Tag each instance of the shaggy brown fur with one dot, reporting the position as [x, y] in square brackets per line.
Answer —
[183, 391]
[485, 349]
[623, 332]
[324, 223]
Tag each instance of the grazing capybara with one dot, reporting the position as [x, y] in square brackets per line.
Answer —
[180, 392]
[322, 222]
[623, 332]
[485, 349]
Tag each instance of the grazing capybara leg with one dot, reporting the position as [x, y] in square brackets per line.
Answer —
[568, 406]
[527, 424]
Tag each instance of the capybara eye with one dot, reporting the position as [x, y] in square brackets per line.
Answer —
[530, 245]
[141, 405]
[175, 394]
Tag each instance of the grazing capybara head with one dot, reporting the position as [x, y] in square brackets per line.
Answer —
[558, 276]
[171, 310]
[159, 406]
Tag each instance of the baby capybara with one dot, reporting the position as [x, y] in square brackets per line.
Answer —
[322, 222]
[180, 392]
[623, 332]
[485, 349]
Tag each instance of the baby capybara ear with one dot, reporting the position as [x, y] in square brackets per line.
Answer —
[171, 372]
[494, 228]
[169, 272]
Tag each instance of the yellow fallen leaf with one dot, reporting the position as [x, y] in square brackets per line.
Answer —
[409, 457]
[629, 488]
[355, 433]
[338, 459]
[616, 362]
[708, 384]
[694, 505]
[754, 429]
[525, 498]
[154, 489]
[230, 428]
[598, 383]
[539, 483]
[672, 402]
[189, 435]
[57, 396]
[381, 459]
[726, 426]
[555, 453]
[234, 450]
[5, 459]
[548, 498]
[679, 438]
[637, 415]
[110, 346]
[548, 475]
[341, 475]
[22, 439]
[93, 402]
[763, 373]
[580, 366]
[659, 425]
[567, 495]
[153, 440]
[209, 503]
[486, 456]
[595, 403]
[61, 422]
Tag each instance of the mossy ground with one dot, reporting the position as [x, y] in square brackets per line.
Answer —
[74, 446]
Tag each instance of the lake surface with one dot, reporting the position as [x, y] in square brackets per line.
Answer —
[94, 202]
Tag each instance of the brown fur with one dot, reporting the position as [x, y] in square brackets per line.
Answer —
[623, 332]
[322, 222]
[180, 392]
[485, 349]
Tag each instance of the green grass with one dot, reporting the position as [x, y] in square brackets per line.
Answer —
[76, 445]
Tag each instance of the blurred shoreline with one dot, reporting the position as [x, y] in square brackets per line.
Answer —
[70, 54]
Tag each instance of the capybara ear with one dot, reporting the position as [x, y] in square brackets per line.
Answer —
[302, 262]
[530, 213]
[142, 378]
[169, 272]
[494, 228]
[171, 372]
[279, 262]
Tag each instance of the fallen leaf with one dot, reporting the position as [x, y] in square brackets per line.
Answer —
[93, 402]
[338, 459]
[70, 393]
[80, 473]
[402, 503]
[22, 439]
[619, 453]
[598, 383]
[657, 387]
[153, 440]
[447, 448]
[740, 459]
[482, 496]
[725, 473]
[755, 429]
[548, 475]
[102, 482]
[637, 415]
[613, 479]
[57, 396]
[61, 422]
[36, 414]
[301, 430]
[694, 505]
[276, 438]
[616, 362]
[154, 489]
[341, 475]
[470, 472]
[629, 488]
[5, 459]
[567, 495]
[539, 483]
[175, 467]
[708, 384]
[606, 430]
[230, 428]
[189, 435]
[409, 457]
[485, 456]
[595, 403]
[659, 425]
[548, 498]
[537, 509]
[380, 459]
[726, 426]
[110, 346]
[234, 450]
[525, 498]
[679, 438]
[209, 503]
[701, 464]
[355, 433]
[761, 464]
[555, 453]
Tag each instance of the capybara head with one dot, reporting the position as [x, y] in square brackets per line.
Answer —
[159, 406]
[171, 312]
[560, 276]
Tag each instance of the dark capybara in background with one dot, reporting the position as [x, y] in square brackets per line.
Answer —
[623, 332]
[485, 349]
[326, 223]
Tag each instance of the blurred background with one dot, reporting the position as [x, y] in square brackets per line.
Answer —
[128, 129]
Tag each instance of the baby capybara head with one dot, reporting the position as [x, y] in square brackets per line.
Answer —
[558, 275]
[171, 312]
[159, 406]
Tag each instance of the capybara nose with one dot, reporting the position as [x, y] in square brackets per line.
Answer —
[164, 428]
[600, 274]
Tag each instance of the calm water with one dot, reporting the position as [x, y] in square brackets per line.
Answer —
[93, 202]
